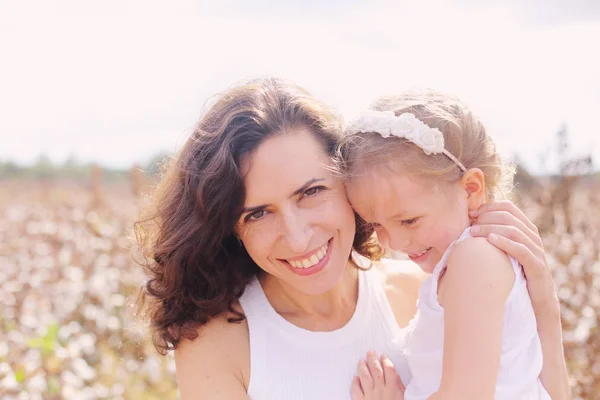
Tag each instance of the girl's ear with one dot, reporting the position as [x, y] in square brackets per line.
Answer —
[473, 182]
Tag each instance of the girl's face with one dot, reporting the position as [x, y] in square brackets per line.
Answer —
[297, 224]
[411, 214]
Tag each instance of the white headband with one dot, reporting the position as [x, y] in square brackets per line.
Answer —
[407, 126]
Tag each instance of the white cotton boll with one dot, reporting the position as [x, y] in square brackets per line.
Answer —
[32, 228]
[16, 337]
[46, 262]
[16, 213]
[131, 365]
[113, 323]
[102, 262]
[61, 353]
[74, 327]
[118, 389]
[100, 391]
[65, 255]
[64, 332]
[36, 279]
[9, 382]
[3, 350]
[7, 299]
[32, 360]
[71, 380]
[117, 300]
[151, 367]
[87, 341]
[87, 393]
[35, 396]
[74, 273]
[101, 319]
[582, 332]
[9, 313]
[24, 396]
[74, 349]
[83, 370]
[41, 248]
[89, 312]
[5, 368]
[13, 286]
[69, 392]
[29, 321]
[37, 383]
[77, 215]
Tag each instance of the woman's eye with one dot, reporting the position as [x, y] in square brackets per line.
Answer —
[256, 215]
[313, 191]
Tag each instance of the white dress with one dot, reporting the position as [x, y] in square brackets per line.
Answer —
[289, 363]
[521, 357]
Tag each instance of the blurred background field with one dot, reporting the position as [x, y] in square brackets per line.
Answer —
[68, 280]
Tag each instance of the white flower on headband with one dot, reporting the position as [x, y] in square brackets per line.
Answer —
[407, 126]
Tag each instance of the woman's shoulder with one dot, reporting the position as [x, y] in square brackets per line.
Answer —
[402, 280]
[219, 354]
[400, 274]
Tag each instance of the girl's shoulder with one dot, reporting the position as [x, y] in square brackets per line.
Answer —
[482, 265]
[401, 281]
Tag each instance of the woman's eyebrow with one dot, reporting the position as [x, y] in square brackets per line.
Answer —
[296, 193]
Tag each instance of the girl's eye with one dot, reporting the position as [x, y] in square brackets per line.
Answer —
[255, 216]
[313, 191]
[410, 222]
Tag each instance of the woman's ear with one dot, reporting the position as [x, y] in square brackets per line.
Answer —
[473, 182]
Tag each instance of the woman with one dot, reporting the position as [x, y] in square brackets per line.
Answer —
[256, 279]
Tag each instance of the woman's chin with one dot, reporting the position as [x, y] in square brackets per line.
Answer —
[323, 281]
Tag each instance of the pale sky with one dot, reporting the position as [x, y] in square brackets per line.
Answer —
[116, 81]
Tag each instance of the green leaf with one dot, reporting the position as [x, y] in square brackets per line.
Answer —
[20, 375]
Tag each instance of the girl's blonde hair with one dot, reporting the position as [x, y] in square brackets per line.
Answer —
[464, 135]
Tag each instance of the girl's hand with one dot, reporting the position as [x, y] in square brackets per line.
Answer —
[507, 228]
[377, 379]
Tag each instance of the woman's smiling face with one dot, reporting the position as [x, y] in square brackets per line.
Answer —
[297, 224]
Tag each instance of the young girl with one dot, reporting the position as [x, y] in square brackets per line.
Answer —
[418, 166]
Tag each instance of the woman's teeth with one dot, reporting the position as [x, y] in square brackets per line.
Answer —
[312, 260]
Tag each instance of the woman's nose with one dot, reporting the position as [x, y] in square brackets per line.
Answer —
[298, 231]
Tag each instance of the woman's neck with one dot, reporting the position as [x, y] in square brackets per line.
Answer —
[326, 311]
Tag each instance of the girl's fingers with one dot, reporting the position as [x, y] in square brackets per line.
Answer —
[364, 377]
[508, 219]
[375, 369]
[356, 390]
[510, 207]
[390, 375]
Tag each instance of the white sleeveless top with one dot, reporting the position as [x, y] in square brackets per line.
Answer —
[288, 362]
[521, 357]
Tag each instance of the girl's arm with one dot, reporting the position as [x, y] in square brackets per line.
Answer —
[473, 292]
[508, 228]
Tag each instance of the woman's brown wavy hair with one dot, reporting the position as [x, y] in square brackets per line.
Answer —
[197, 268]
